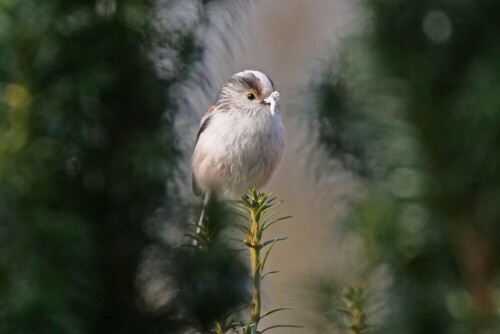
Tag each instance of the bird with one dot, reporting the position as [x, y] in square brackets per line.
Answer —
[241, 139]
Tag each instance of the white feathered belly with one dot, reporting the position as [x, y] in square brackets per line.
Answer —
[236, 153]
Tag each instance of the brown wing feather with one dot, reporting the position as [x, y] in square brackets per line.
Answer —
[209, 112]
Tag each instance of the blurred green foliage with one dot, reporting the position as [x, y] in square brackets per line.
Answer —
[86, 149]
[413, 104]
[210, 279]
[84, 155]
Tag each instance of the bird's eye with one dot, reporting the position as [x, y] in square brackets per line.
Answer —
[251, 96]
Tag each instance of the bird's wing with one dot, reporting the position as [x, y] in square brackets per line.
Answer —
[205, 121]
[207, 114]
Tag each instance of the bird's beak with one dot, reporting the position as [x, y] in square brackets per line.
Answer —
[272, 101]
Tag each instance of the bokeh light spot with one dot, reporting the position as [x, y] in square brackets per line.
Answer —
[414, 218]
[16, 95]
[105, 8]
[404, 183]
[437, 26]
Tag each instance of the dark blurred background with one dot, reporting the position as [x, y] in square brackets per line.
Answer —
[392, 171]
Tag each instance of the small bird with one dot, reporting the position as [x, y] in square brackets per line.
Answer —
[241, 139]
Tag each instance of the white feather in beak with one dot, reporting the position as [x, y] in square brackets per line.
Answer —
[273, 101]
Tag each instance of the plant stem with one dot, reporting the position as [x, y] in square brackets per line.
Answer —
[254, 244]
[255, 265]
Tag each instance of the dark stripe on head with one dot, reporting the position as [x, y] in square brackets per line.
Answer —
[249, 82]
[271, 81]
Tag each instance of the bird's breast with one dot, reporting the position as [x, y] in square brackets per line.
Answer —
[239, 152]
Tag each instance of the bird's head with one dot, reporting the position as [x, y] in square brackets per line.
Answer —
[250, 91]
